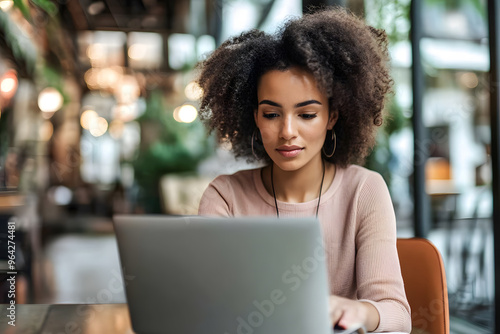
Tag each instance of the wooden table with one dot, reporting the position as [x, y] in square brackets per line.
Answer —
[10, 200]
[67, 319]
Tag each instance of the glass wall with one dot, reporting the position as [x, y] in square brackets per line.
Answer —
[455, 60]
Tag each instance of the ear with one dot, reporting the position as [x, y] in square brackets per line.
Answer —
[332, 119]
[255, 114]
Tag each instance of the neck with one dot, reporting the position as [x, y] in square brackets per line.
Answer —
[300, 185]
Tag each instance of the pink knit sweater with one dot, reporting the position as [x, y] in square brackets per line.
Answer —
[359, 230]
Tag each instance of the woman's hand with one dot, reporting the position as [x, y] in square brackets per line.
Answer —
[346, 313]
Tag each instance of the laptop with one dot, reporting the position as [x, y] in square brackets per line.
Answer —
[224, 275]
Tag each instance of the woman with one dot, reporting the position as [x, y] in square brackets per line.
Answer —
[307, 101]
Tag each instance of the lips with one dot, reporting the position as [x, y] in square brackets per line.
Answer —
[289, 151]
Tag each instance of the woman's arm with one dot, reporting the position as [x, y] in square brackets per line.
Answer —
[378, 273]
[381, 303]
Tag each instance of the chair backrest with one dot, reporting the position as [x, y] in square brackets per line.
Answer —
[181, 193]
[425, 285]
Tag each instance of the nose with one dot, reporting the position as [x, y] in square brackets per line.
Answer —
[288, 128]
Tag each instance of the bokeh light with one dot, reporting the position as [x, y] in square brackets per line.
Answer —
[127, 90]
[108, 77]
[98, 126]
[137, 51]
[126, 112]
[62, 195]
[8, 84]
[96, 51]
[193, 91]
[176, 114]
[87, 116]
[50, 100]
[186, 113]
[5, 5]
[90, 78]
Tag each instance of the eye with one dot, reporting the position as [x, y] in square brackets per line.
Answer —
[270, 115]
[308, 116]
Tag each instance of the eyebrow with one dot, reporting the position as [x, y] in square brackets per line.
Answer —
[298, 105]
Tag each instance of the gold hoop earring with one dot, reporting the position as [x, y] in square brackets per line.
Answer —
[253, 139]
[334, 144]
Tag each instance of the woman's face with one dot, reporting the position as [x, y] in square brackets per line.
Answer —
[292, 117]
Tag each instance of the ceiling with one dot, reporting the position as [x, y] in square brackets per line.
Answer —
[128, 15]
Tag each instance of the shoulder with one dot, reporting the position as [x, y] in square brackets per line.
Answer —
[369, 193]
[225, 193]
[234, 185]
[239, 180]
[360, 177]
[367, 189]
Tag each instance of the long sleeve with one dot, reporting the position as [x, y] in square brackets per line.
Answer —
[213, 202]
[378, 273]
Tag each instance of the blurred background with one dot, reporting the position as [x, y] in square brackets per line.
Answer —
[98, 116]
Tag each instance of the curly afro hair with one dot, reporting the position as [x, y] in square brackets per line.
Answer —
[348, 59]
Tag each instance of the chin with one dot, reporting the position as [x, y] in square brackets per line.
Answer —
[289, 166]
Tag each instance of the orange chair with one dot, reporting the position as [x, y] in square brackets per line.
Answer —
[425, 285]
